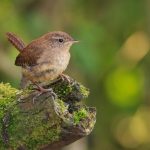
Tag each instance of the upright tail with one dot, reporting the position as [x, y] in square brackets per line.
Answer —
[15, 41]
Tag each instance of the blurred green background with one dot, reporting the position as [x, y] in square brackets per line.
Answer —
[112, 59]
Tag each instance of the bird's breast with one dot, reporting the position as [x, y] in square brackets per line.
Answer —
[48, 69]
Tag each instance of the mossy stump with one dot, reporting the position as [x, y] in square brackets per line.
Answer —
[47, 123]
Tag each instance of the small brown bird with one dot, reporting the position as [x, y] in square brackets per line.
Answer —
[45, 58]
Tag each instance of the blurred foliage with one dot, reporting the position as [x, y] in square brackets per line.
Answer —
[124, 87]
[112, 59]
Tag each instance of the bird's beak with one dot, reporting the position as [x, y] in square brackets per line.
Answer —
[75, 41]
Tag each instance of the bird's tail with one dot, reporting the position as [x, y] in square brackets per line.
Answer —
[15, 41]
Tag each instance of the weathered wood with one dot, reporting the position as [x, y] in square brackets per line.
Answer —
[50, 122]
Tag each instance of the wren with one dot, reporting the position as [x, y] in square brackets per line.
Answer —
[44, 59]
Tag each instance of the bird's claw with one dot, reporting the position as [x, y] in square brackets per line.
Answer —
[66, 78]
[51, 93]
[36, 96]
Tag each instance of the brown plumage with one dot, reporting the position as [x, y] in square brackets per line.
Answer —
[45, 58]
[16, 41]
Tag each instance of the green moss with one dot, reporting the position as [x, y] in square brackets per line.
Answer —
[75, 92]
[7, 96]
[62, 90]
[7, 92]
[79, 115]
[43, 135]
[42, 132]
[7, 100]
[62, 105]
[25, 92]
[85, 92]
[34, 130]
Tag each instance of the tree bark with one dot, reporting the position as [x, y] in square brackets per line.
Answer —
[47, 123]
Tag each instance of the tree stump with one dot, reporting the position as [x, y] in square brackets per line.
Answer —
[47, 123]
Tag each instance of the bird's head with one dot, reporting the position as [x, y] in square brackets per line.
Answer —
[60, 40]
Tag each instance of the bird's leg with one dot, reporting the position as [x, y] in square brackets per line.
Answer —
[42, 91]
[40, 88]
[65, 78]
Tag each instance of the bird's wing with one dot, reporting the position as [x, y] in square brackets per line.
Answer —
[15, 41]
[29, 56]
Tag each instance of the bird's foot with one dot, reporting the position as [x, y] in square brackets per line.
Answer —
[64, 77]
[42, 91]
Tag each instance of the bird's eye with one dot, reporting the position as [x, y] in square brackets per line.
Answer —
[60, 40]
